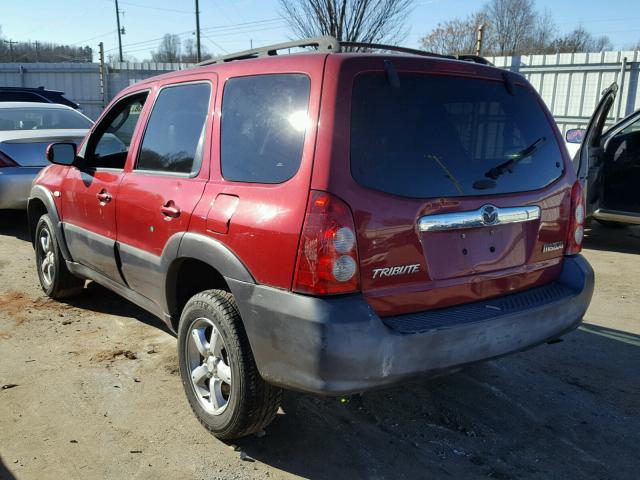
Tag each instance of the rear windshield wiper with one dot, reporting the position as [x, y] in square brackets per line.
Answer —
[514, 159]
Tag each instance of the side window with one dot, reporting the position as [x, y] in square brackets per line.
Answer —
[264, 119]
[633, 128]
[110, 143]
[174, 138]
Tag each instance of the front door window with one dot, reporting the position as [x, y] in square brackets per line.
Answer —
[109, 145]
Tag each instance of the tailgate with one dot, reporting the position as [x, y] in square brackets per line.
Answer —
[460, 190]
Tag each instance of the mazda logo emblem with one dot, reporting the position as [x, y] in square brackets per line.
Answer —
[489, 215]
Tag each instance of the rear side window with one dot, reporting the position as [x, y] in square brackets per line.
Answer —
[264, 119]
[174, 137]
[449, 136]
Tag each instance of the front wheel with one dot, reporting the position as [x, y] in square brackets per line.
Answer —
[55, 278]
[218, 370]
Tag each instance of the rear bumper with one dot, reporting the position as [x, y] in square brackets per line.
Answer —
[340, 346]
[15, 185]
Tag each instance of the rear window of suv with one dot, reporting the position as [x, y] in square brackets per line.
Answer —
[436, 136]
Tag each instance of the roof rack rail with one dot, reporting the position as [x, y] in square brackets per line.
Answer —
[332, 45]
[393, 48]
[475, 59]
[323, 44]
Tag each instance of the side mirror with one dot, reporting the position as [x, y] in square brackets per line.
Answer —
[575, 135]
[61, 153]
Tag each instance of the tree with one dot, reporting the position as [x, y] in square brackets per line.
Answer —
[511, 25]
[169, 49]
[172, 50]
[189, 52]
[454, 37]
[368, 21]
[580, 40]
[542, 35]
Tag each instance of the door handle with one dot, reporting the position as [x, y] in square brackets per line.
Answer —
[170, 210]
[104, 197]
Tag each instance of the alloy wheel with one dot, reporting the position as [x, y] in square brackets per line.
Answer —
[47, 258]
[209, 368]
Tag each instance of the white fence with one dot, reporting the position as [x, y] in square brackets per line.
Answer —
[570, 84]
[81, 81]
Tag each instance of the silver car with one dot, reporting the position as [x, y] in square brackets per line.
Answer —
[26, 129]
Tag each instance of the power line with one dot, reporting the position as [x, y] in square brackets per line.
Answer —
[153, 40]
[161, 9]
[215, 44]
[242, 32]
[93, 38]
[579, 22]
[220, 30]
[226, 27]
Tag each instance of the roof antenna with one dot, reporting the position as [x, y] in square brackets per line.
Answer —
[392, 74]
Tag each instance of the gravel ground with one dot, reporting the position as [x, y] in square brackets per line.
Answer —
[90, 390]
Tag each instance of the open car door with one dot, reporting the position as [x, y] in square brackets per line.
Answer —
[589, 157]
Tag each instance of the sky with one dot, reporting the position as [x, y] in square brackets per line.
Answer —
[232, 25]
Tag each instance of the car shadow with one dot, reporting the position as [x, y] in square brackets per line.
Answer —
[98, 299]
[621, 240]
[14, 223]
[5, 473]
[567, 410]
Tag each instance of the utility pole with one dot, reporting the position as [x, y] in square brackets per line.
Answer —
[36, 45]
[480, 39]
[198, 56]
[103, 76]
[10, 42]
[119, 31]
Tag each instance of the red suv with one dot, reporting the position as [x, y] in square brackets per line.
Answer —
[329, 222]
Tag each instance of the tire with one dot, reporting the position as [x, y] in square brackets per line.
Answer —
[610, 224]
[56, 280]
[218, 371]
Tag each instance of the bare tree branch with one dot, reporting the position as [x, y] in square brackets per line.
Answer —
[454, 37]
[512, 27]
[367, 21]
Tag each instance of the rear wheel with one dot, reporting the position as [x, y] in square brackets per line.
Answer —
[218, 370]
[55, 278]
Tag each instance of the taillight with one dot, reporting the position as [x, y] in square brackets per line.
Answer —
[328, 255]
[6, 161]
[576, 221]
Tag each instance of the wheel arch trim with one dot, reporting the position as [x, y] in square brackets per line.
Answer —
[46, 197]
[195, 246]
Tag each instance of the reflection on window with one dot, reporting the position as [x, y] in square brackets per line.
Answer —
[439, 136]
[264, 120]
[29, 118]
[174, 137]
[112, 146]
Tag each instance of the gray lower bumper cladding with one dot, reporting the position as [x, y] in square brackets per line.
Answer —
[339, 345]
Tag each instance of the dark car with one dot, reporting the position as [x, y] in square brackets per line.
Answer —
[37, 95]
[608, 163]
[327, 222]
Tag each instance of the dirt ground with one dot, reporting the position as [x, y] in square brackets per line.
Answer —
[90, 390]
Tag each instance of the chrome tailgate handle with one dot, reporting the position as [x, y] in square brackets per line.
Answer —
[485, 216]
